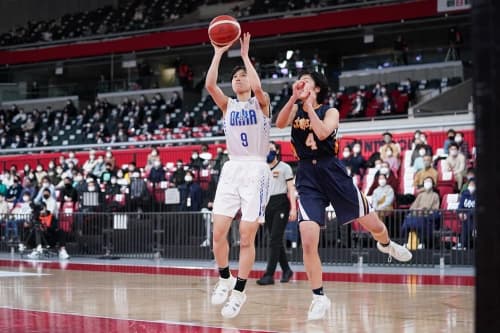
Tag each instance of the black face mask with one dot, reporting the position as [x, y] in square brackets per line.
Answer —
[271, 156]
[67, 185]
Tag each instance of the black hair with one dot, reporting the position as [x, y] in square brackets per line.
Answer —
[453, 144]
[321, 82]
[276, 145]
[238, 68]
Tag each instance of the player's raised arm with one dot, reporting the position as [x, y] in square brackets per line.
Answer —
[322, 128]
[288, 111]
[211, 80]
[253, 77]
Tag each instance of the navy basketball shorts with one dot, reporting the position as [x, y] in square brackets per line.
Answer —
[324, 181]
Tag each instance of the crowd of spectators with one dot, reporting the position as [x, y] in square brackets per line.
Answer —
[103, 122]
[137, 15]
[438, 174]
[98, 184]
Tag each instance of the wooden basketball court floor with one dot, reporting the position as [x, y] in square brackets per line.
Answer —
[144, 296]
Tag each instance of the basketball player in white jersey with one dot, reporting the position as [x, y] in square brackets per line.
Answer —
[244, 180]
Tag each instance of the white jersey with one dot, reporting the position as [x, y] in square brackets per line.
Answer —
[247, 129]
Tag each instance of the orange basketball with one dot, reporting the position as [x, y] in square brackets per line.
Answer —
[223, 30]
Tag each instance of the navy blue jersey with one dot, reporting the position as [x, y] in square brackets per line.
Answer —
[305, 143]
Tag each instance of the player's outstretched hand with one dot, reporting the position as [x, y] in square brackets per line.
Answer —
[221, 49]
[245, 44]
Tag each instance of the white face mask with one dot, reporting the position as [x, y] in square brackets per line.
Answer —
[382, 182]
[356, 149]
[421, 152]
[91, 188]
[377, 166]
[454, 152]
[428, 186]
[384, 170]
[346, 154]
[388, 153]
[471, 188]
[188, 178]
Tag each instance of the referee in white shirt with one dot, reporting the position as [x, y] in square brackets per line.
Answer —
[280, 209]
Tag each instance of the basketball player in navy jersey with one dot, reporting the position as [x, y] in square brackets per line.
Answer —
[322, 179]
[245, 178]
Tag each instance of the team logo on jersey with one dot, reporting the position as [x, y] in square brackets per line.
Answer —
[243, 118]
[302, 123]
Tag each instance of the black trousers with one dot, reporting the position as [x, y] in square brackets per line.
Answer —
[277, 212]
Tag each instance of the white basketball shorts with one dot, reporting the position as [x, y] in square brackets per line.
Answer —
[244, 185]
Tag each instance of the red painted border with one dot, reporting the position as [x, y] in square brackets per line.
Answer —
[17, 320]
[417, 279]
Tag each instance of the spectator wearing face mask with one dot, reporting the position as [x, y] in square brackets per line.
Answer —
[39, 173]
[90, 164]
[463, 146]
[205, 154]
[386, 107]
[99, 167]
[419, 149]
[383, 197]
[392, 180]
[449, 140]
[68, 192]
[50, 202]
[178, 174]
[466, 209]
[455, 162]
[427, 171]
[418, 162]
[389, 143]
[45, 184]
[423, 213]
[92, 198]
[14, 191]
[157, 173]
[107, 174]
[358, 163]
[191, 198]
[113, 187]
[29, 187]
[196, 161]
[21, 214]
[110, 159]
[138, 192]
[153, 156]
[71, 159]
[391, 160]
[347, 157]
[469, 175]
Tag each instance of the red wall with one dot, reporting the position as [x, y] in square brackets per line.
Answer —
[370, 144]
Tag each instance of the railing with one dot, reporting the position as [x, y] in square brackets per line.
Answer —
[446, 237]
